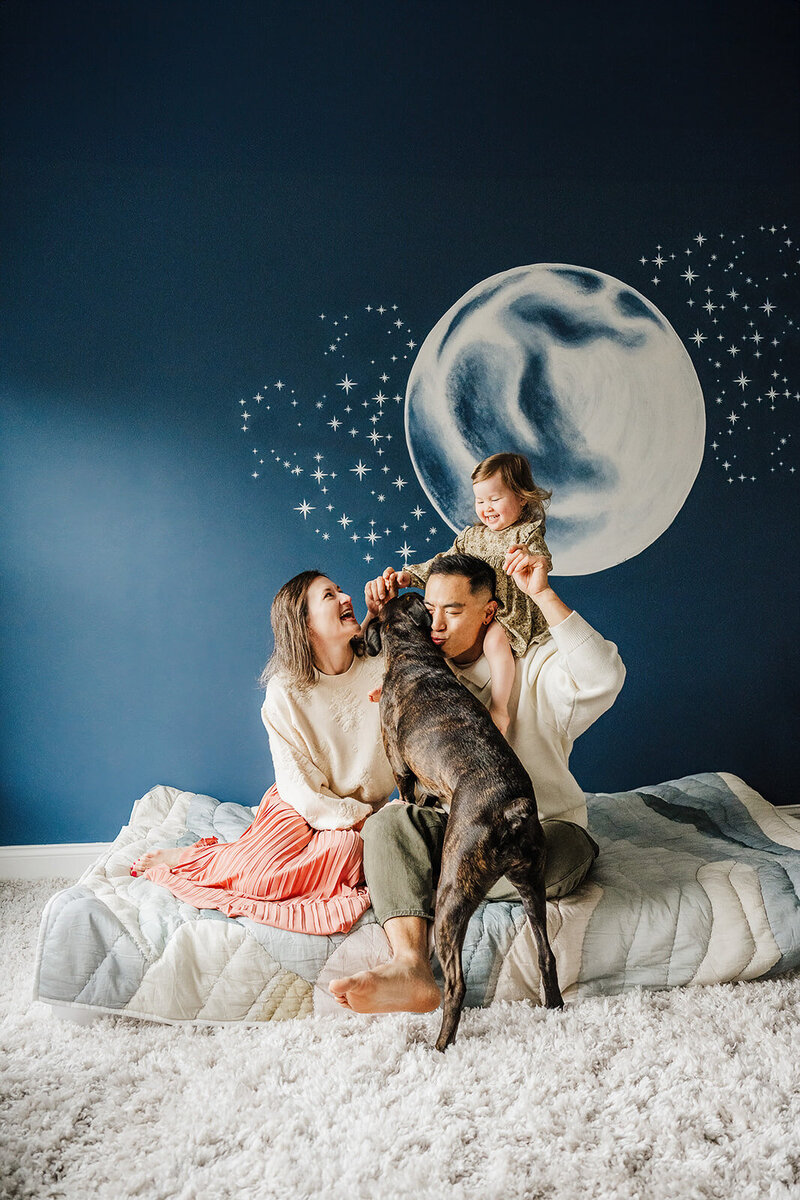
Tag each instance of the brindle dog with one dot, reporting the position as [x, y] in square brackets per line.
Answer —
[435, 731]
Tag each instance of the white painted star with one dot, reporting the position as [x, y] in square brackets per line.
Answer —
[406, 551]
[304, 509]
[346, 384]
[742, 380]
[399, 483]
[280, 385]
[360, 469]
[689, 275]
[344, 521]
[418, 512]
[334, 423]
[698, 337]
[767, 307]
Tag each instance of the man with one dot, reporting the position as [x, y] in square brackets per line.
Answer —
[564, 682]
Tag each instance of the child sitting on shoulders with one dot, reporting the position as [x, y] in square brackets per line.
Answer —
[510, 509]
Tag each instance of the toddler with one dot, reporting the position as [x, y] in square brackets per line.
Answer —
[510, 509]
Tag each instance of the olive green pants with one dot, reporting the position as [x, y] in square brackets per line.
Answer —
[403, 854]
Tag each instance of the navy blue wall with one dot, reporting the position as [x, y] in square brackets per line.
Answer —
[186, 187]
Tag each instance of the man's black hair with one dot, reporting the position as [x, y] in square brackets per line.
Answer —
[480, 576]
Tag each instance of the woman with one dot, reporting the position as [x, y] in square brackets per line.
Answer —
[298, 866]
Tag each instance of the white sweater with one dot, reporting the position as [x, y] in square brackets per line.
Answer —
[562, 685]
[327, 748]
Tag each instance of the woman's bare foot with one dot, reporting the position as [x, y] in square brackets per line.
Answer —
[405, 984]
[160, 858]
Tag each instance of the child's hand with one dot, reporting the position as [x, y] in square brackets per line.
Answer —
[400, 579]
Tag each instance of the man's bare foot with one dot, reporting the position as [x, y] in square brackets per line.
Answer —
[160, 858]
[501, 719]
[402, 985]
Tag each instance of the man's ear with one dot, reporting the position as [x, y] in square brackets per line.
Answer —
[372, 637]
[491, 609]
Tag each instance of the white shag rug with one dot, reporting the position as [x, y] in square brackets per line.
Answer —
[679, 1095]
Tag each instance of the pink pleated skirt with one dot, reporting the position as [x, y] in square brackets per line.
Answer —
[280, 872]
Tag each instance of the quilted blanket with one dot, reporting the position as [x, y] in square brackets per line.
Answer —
[697, 882]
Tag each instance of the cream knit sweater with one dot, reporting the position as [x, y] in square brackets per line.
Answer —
[328, 752]
[562, 686]
[327, 748]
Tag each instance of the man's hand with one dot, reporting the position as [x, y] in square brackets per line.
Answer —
[529, 571]
[379, 590]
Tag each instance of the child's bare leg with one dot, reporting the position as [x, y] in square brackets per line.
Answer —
[501, 661]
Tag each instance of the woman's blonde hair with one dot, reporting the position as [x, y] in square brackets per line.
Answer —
[292, 657]
[515, 472]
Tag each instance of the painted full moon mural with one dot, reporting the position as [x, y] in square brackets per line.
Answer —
[583, 375]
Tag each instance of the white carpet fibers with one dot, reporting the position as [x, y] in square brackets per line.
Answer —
[655, 1096]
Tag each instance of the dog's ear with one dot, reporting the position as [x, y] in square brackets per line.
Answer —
[417, 611]
[372, 637]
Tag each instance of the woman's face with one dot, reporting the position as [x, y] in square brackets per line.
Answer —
[331, 621]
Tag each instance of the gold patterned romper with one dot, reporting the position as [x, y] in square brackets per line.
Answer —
[517, 613]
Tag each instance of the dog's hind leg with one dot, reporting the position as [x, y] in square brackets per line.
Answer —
[453, 911]
[530, 886]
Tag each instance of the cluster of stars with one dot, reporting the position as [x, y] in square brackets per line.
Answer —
[340, 439]
[733, 299]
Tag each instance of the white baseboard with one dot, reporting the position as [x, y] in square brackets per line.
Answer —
[70, 860]
[62, 861]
